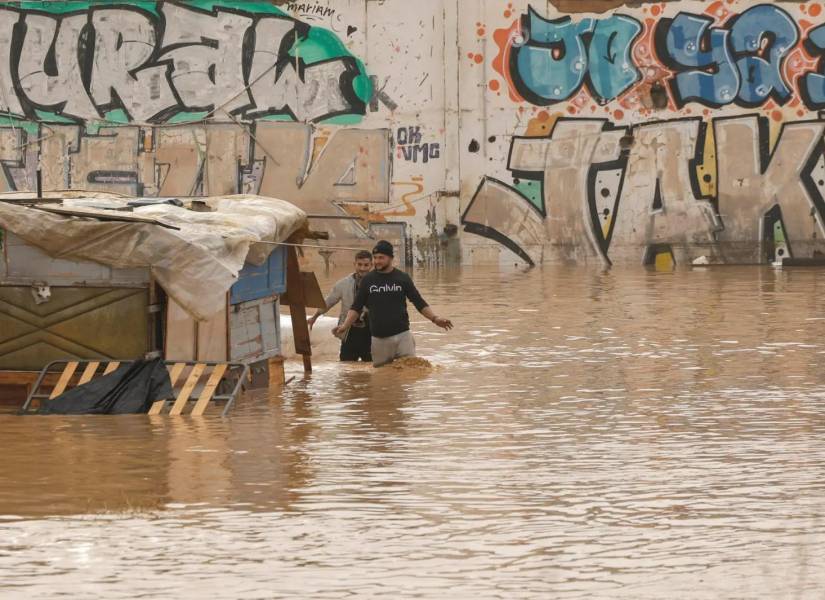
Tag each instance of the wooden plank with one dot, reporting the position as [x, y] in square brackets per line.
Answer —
[175, 371]
[190, 384]
[64, 379]
[157, 407]
[209, 390]
[88, 373]
[112, 366]
[174, 374]
[18, 377]
[297, 309]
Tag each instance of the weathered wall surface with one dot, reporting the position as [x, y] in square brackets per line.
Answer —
[653, 132]
[476, 130]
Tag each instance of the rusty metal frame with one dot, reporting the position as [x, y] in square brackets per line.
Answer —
[233, 368]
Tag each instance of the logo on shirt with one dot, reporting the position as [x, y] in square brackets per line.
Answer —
[386, 288]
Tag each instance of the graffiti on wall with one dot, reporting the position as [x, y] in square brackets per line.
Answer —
[410, 145]
[186, 99]
[710, 147]
[713, 58]
[284, 160]
[608, 192]
[152, 62]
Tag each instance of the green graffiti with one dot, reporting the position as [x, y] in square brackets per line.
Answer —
[321, 45]
[31, 128]
[532, 191]
[312, 45]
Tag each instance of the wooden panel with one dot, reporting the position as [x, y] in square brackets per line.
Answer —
[209, 390]
[311, 294]
[255, 330]
[64, 379]
[212, 338]
[88, 373]
[190, 384]
[181, 333]
[188, 339]
[260, 281]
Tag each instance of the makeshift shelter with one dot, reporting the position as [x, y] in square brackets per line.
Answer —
[99, 276]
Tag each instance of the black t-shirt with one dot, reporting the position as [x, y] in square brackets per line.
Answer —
[385, 294]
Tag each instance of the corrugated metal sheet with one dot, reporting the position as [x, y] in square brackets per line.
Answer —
[76, 322]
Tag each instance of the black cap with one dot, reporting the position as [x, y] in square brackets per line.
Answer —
[383, 247]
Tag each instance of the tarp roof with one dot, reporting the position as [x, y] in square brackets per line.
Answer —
[194, 255]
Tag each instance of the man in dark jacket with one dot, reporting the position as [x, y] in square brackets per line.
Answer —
[384, 292]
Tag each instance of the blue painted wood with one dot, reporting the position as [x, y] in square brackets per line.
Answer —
[255, 282]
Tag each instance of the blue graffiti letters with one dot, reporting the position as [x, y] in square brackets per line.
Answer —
[763, 30]
[708, 76]
[558, 56]
[611, 67]
[813, 84]
[740, 63]
[552, 64]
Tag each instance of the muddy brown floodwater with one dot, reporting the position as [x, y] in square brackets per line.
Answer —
[628, 434]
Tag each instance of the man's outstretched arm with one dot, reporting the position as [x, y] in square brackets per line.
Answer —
[415, 297]
[334, 298]
[441, 322]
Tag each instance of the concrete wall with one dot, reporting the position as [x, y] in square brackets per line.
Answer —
[479, 130]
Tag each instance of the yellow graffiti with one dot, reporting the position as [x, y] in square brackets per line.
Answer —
[664, 261]
[706, 172]
[606, 226]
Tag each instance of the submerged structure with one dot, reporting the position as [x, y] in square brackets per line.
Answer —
[101, 277]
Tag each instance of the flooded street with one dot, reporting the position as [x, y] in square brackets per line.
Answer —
[626, 434]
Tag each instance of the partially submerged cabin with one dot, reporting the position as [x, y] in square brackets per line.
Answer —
[109, 277]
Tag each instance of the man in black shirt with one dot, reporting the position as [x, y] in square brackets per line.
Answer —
[384, 292]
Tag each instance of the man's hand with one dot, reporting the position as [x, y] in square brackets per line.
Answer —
[339, 330]
[443, 323]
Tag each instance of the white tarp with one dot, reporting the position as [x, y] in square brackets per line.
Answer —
[196, 264]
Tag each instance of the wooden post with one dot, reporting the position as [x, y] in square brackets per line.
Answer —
[277, 378]
[297, 308]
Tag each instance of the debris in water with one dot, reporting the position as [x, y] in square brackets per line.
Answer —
[412, 363]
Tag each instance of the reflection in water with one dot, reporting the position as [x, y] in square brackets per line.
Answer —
[583, 434]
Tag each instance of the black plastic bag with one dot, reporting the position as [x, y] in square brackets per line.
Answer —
[130, 389]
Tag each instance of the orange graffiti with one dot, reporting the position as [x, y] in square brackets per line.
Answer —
[718, 11]
[365, 217]
[504, 40]
[409, 209]
[542, 124]
[639, 98]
